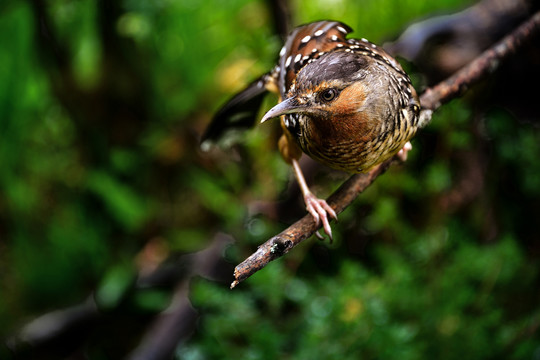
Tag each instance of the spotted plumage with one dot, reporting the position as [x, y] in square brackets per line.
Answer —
[345, 102]
[345, 133]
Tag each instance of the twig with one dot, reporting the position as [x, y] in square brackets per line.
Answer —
[431, 100]
[305, 227]
[479, 68]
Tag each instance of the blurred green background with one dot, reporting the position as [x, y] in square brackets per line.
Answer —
[102, 104]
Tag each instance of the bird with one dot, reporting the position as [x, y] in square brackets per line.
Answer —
[344, 102]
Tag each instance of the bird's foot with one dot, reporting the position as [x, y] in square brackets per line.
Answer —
[402, 154]
[320, 210]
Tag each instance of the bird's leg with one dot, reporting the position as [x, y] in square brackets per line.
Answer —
[402, 154]
[318, 208]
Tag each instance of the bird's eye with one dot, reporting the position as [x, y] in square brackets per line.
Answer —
[328, 95]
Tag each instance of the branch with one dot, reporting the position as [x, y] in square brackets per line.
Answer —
[305, 227]
[59, 333]
[481, 67]
[431, 100]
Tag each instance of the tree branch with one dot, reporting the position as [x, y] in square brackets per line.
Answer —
[431, 100]
[57, 333]
[481, 67]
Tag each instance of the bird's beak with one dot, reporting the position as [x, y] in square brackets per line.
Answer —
[288, 106]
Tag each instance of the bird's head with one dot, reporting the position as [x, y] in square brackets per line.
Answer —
[331, 87]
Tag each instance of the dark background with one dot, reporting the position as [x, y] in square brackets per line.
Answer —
[104, 193]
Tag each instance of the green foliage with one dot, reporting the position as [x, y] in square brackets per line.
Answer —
[102, 179]
[410, 310]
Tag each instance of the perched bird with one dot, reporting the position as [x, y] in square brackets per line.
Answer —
[344, 102]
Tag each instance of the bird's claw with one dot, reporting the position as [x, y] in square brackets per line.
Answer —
[320, 210]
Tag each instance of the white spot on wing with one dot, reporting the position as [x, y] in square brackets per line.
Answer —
[306, 39]
[318, 33]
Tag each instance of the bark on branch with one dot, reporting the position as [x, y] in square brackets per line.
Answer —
[431, 100]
